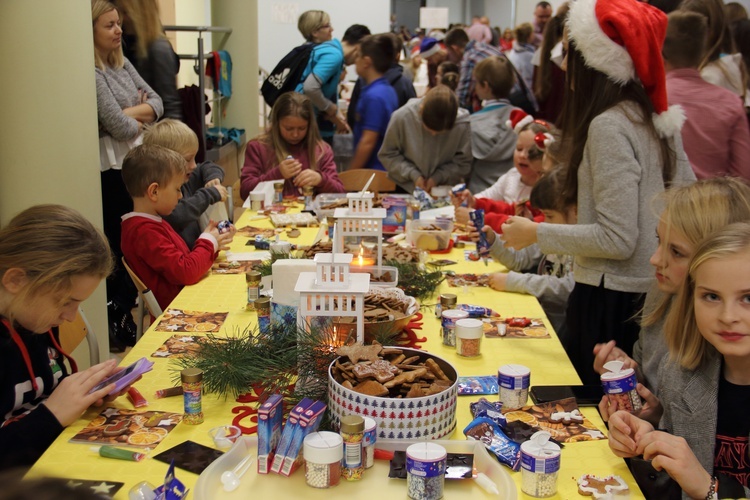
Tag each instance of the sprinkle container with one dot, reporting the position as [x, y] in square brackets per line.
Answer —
[323, 452]
[540, 464]
[192, 385]
[619, 385]
[469, 337]
[513, 382]
[368, 442]
[425, 471]
[449, 325]
[352, 432]
[447, 301]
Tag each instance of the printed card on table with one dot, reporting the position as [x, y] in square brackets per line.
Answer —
[515, 328]
[560, 419]
[252, 231]
[179, 345]
[123, 427]
[469, 280]
[104, 489]
[234, 266]
[179, 320]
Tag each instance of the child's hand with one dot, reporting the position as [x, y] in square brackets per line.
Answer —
[626, 432]
[308, 177]
[673, 454]
[474, 233]
[518, 233]
[429, 184]
[71, 398]
[610, 352]
[497, 281]
[341, 126]
[419, 183]
[226, 238]
[222, 192]
[462, 215]
[213, 182]
[289, 168]
[464, 196]
[651, 410]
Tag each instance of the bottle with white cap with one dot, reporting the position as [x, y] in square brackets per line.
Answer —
[540, 464]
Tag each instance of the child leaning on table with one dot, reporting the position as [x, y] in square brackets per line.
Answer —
[553, 280]
[203, 186]
[51, 260]
[705, 385]
[153, 176]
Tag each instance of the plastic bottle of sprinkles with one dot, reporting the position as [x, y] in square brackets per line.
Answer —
[513, 382]
[192, 385]
[368, 442]
[352, 432]
[540, 464]
[425, 471]
[323, 452]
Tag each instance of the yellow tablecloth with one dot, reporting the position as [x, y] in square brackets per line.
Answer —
[546, 358]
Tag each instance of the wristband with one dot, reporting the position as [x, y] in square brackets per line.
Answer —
[711, 495]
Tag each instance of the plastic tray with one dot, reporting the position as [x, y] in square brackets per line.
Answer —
[374, 484]
[373, 270]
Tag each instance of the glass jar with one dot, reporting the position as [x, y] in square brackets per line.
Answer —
[469, 334]
[447, 301]
[192, 386]
[352, 432]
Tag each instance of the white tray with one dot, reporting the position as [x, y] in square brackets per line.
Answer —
[374, 484]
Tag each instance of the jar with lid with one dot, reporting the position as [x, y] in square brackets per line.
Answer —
[323, 452]
[192, 387]
[368, 442]
[513, 385]
[278, 193]
[252, 279]
[425, 471]
[352, 432]
[619, 385]
[307, 192]
[449, 325]
[540, 464]
[446, 301]
[469, 334]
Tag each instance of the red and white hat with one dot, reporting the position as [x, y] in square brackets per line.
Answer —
[518, 119]
[623, 40]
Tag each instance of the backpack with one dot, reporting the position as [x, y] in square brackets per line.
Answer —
[287, 74]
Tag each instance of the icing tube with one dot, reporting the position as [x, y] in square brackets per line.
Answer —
[483, 246]
[169, 392]
[486, 483]
[120, 454]
[136, 398]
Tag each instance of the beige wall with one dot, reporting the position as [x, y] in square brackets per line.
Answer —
[49, 148]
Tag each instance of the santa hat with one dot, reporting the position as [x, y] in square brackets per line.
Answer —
[623, 40]
[428, 47]
[518, 119]
[543, 140]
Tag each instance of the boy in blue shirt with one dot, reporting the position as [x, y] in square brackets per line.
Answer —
[377, 102]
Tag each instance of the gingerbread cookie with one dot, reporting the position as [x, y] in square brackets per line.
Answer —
[566, 417]
[381, 370]
[590, 485]
[358, 351]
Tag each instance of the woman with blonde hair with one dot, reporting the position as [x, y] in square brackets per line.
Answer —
[41, 286]
[148, 49]
[291, 150]
[125, 102]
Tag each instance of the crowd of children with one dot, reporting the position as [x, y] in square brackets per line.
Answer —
[601, 219]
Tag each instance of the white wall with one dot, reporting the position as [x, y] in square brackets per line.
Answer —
[456, 9]
[277, 38]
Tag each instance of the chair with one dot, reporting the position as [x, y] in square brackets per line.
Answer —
[72, 333]
[237, 201]
[146, 300]
[355, 180]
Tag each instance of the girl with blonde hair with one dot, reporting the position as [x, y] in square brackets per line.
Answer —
[42, 283]
[705, 387]
[291, 150]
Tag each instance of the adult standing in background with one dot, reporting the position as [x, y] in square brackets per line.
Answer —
[542, 14]
[478, 31]
[321, 77]
[125, 103]
[148, 49]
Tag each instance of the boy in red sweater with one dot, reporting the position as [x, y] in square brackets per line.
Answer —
[153, 176]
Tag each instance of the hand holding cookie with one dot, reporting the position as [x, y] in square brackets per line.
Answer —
[673, 454]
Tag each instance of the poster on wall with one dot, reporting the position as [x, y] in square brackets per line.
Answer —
[433, 17]
[285, 13]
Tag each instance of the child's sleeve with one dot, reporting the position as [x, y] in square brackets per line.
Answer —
[516, 260]
[459, 168]
[190, 208]
[327, 170]
[24, 440]
[552, 289]
[170, 262]
[254, 169]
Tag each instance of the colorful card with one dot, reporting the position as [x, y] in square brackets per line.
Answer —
[190, 456]
[458, 280]
[555, 418]
[506, 327]
[252, 231]
[234, 266]
[177, 346]
[178, 320]
[123, 427]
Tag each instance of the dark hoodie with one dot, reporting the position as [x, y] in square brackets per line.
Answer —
[396, 78]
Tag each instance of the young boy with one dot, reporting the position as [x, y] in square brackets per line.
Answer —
[203, 187]
[153, 176]
[377, 102]
[715, 135]
[492, 141]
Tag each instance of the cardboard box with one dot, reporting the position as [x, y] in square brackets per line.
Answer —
[289, 429]
[308, 422]
[270, 420]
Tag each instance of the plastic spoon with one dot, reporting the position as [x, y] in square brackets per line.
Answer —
[231, 478]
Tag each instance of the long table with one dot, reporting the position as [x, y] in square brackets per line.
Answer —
[217, 293]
